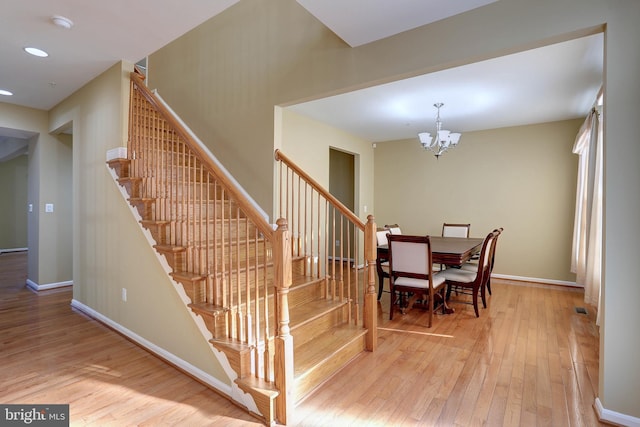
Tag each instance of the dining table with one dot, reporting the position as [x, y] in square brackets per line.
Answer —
[449, 251]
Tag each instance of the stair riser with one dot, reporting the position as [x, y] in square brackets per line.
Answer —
[132, 186]
[234, 283]
[215, 324]
[305, 333]
[221, 229]
[226, 261]
[156, 210]
[120, 167]
[170, 167]
[166, 155]
[240, 361]
[306, 383]
[195, 211]
[301, 295]
[175, 190]
[145, 208]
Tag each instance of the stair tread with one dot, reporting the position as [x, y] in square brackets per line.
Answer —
[207, 307]
[186, 275]
[118, 160]
[170, 248]
[260, 385]
[324, 346]
[232, 344]
[311, 310]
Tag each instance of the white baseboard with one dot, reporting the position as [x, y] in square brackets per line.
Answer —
[158, 351]
[33, 285]
[236, 394]
[537, 280]
[616, 418]
[7, 250]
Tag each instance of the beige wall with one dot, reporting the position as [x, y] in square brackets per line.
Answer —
[225, 77]
[110, 250]
[13, 193]
[307, 143]
[520, 178]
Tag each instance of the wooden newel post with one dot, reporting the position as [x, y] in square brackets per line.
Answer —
[370, 309]
[283, 363]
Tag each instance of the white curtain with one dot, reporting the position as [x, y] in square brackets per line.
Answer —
[586, 260]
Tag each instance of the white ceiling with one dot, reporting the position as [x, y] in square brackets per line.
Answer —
[104, 32]
[556, 82]
[359, 22]
[548, 84]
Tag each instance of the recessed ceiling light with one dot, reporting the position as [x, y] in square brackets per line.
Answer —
[36, 52]
[61, 21]
[5, 92]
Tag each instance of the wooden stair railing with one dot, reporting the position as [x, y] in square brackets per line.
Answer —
[218, 245]
[335, 243]
[286, 308]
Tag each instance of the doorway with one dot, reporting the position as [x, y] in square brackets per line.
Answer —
[342, 186]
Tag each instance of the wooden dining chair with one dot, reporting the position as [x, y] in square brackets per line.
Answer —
[382, 265]
[411, 273]
[393, 228]
[473, 281]
[473, 265]
[455, 230]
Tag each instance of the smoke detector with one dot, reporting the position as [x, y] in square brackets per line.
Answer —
[61, 21]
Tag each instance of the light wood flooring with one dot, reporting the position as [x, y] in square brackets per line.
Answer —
[529, 360]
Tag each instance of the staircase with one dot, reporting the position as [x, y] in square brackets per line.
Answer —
[287, 309]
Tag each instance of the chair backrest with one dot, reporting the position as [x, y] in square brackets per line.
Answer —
[493, 248]
[455, 230]
[381, 236]
[410, 256]
[393, 228]
[485, 262]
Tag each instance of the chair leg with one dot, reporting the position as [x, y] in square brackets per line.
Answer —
[392, 304]
[475, 302]
[431, 306]
[482, 294]
[489, 285]
[380, 286]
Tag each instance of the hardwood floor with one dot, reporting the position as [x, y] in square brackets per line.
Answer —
[529, 360]
[54, 354]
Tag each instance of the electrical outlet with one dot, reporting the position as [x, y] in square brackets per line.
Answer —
[124, 294]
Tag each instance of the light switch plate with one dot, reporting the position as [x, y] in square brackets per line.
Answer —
[48, 207]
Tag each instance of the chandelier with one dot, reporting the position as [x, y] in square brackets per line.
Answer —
[443, 139]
